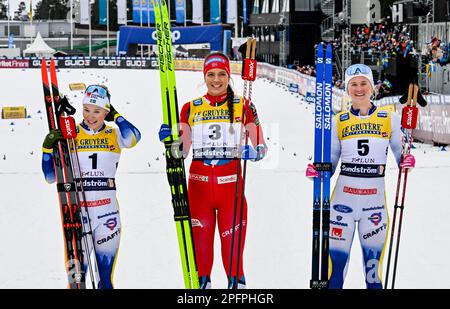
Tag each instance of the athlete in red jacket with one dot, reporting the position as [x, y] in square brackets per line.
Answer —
[211, 126]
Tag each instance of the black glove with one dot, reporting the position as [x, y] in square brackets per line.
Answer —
[64, 106]
[112, 114]
[51, 139]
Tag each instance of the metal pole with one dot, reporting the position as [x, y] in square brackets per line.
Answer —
[148, 24]
[142, 46]
[90, 31]
[107, 28]
[71, 25]
[9, 16]
[236, 24]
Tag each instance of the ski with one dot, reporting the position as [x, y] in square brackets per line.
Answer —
[70, 211]
[409, 122]
[322, 162]
[77, 232]
[174, 162]
[248, 75]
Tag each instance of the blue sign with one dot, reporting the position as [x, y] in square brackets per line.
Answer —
[309, 97]
[11, 41]
[293, 87]
[212, 34]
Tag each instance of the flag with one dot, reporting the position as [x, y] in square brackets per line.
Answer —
[432, 66]
[30, 13]
[275, 6]
[231, 11]
[102, 12]
[387, 83]
[255, 9]
[180, 7]
[145, 11]
[197, 11]
[244, 11]
[215, 12]
[151, 12]
[136, 11]
[122, 12]
[84, 12]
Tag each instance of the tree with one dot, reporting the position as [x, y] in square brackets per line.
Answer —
[3, 9]
[22, 11]
[51, 9]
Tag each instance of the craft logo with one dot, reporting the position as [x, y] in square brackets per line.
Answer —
[67, 186]
[196, 222]
[111, 223]
[198, 177]
[375, 232]
[336, 232]
[375, 218]
[339, 218]
[108, 238]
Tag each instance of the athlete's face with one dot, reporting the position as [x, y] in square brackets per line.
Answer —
[217, 81]
[360, 90]
[94, 116]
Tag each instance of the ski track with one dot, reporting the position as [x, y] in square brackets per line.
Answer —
[278, 245]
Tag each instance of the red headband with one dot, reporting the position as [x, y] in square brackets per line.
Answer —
[216, 61]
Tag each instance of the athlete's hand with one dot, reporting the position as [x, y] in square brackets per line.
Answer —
[164, 132]
[51, 139]
[247, 152]
[261, 151]
[311, 171]
[408, 162]
[112, 115]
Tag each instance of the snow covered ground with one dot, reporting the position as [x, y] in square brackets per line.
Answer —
[278, 246]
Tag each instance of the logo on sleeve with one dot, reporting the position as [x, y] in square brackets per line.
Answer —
[344, 117]
[382, 114]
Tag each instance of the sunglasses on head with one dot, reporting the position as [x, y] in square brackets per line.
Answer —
[100, 90]
[357, 69]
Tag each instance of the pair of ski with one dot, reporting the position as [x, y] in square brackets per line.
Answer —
[175, 168]
[322, 163]
[77, 233]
